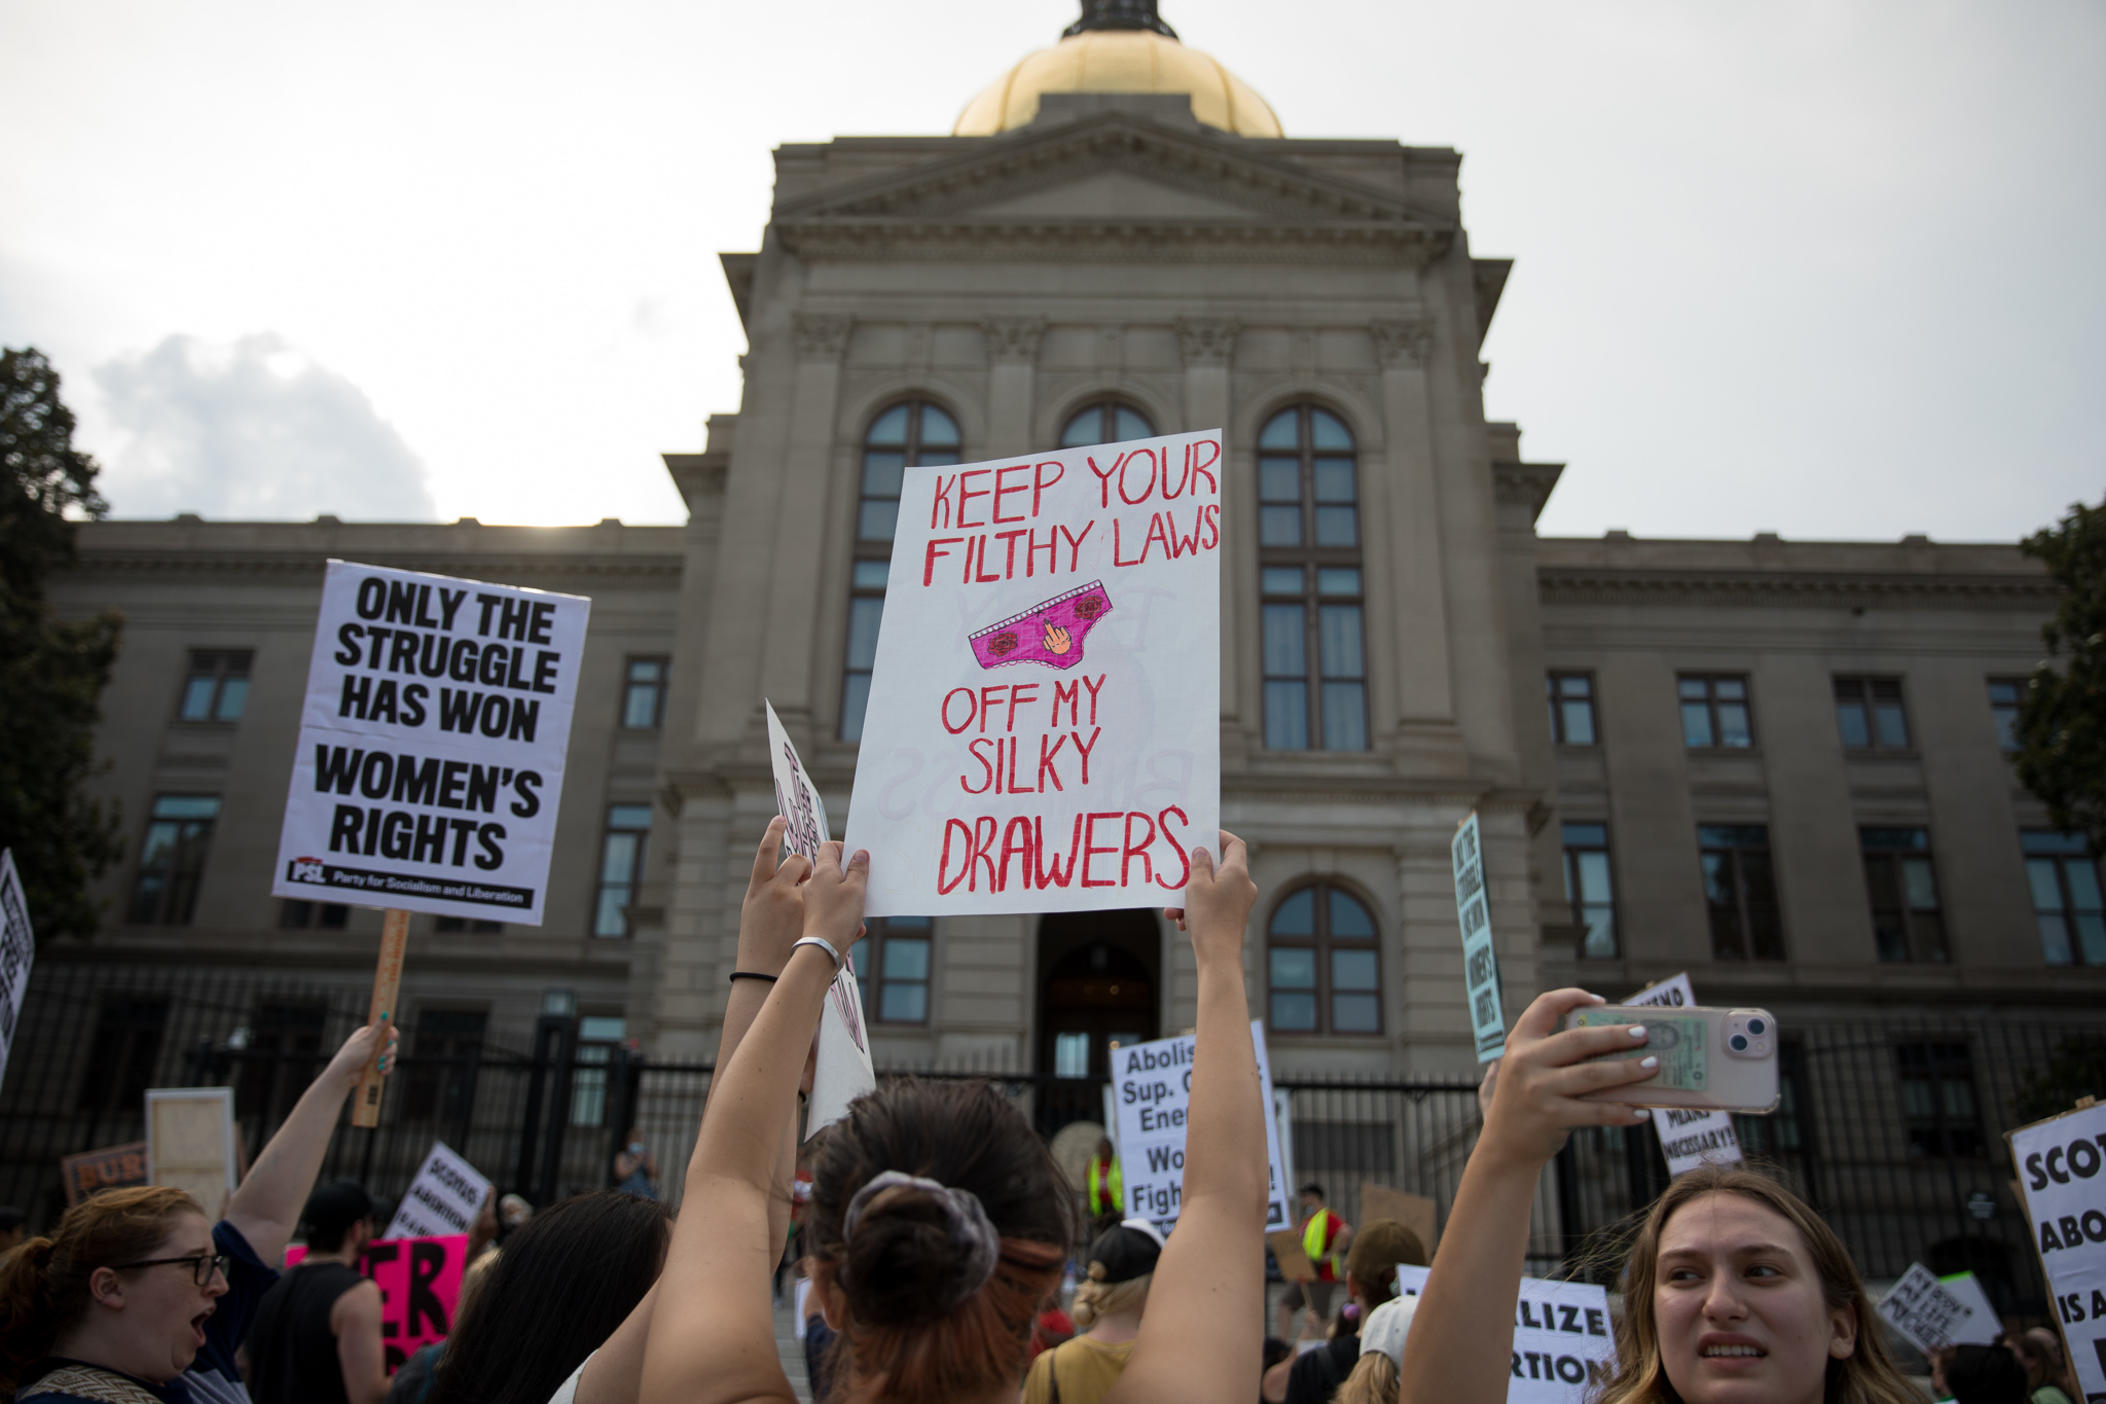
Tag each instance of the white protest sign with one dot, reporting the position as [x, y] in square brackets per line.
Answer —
[1480, 961]
[1983, 1325]
[1932, 1317]
[2062, 1179]
[1044, 724]
[1564, 1341]
[1152, 1084]
[431, 746]
[842, 1071]
[18, 948]
[444, 1198]
[1688, 1138]
[190, 1143]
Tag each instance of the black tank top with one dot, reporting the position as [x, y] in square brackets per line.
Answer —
[292, 1351]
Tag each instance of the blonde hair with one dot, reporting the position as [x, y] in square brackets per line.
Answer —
[1373, 1381]
[1095, 1298]
[1867, 1375]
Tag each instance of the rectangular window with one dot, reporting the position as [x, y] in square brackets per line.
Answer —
[2004, 697]
[298, 914]
[1869, 714]
[1715, 711]
[481, 926]
[444, 1048]
[1741, 891]
[2067, 906]
[1571, 708]
[124, 1053]
[278, 1057]
[621, 867]
[866, 608]
[172, 860]
[1938, 1106]
[892, 969]
[598, 1036]
[1906, 922]
[643, 694]
[1589, 890]
[216, 688]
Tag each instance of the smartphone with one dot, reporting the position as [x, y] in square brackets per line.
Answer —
[1710, 1059]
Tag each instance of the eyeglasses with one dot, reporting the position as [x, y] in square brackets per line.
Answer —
[202, 1265]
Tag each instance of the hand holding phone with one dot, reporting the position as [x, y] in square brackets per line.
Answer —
[1710, 1059]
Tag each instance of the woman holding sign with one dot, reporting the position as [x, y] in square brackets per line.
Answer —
[1734, 1288]
[939, 1225]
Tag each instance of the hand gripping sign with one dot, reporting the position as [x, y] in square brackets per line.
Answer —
[1043, 728]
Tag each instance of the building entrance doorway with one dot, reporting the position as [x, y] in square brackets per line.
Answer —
[1099, 974]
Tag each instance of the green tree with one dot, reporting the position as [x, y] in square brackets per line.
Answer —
[2062, 718]
[52, 672]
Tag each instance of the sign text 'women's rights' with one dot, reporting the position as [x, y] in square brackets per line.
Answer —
[1043, 731]
[431, 744]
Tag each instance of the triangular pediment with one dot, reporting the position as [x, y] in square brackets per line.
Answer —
[1113, 166]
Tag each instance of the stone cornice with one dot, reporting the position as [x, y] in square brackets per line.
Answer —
[202, 560]
[1529, 483]
[1785, 585]
[1488, 280]
[1084, 240]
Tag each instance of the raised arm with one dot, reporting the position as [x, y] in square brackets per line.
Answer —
[770, 920]
[266, 1206]
[1454, 1352]
[712, 1336]
[1199, 1339]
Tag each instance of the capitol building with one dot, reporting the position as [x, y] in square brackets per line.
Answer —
[1783, 767]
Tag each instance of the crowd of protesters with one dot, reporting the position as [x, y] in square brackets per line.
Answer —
[933, 1232]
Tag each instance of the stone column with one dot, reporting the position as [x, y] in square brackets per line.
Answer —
[1209, 345]
[820, 342]
[1012, 353]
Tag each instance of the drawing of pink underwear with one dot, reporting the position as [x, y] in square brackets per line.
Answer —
[1048, 633]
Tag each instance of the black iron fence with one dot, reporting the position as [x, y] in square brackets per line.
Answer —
[1892, 1128]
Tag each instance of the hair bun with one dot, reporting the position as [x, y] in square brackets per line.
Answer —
[914, 1248]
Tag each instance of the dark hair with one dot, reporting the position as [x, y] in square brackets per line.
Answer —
[1312, 1188]
[332, 1211]
[562, 1283]
[906, 1336]
[11, 1219]
[44, 1283]
[1985, 1374]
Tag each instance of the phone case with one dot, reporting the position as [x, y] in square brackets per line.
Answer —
[1710, 1059]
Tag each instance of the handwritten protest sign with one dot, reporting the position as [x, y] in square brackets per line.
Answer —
[18, 948]
[1044, 723]
[1152, 1083]
[431, 748]
[1480, 961]
[842, 1070]
[420, 1289]
[444, 1198]
[1563, 1339]
[2062, 1180]
[190, 1143]
[1931, 1316]
[1688, 1138]
[112, 1167]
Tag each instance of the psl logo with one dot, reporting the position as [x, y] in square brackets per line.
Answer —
[306, 870]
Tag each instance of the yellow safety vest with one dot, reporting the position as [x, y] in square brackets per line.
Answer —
[1317, 1235]
[1101, 1172]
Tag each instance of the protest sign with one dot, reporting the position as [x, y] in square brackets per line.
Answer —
[1563, 1339]
[1480, 961]
[443, 1200]
[1414, 1211]
[842, 1070]
[1153, 1086]
[1288, 1252]
[2062, 1183]
[1688, 1138]
[1931, 1316]
[432, 739]
[112, 1167]
[420, 1289]
[18, 948]
[1983, 1325]
[1044, 723]
[190, 1143]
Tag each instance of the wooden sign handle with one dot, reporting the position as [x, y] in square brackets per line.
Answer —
[387, 984]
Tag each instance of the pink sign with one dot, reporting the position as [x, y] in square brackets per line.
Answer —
[420, 1284]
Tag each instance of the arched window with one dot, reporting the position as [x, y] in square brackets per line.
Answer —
[1323, 964]
[1309, 581]
[1105, 422]
[904, 436]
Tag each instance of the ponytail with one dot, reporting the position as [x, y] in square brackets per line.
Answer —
[44, 1283]
[1373, 1381]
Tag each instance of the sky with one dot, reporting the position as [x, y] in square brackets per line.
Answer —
[1830, 268]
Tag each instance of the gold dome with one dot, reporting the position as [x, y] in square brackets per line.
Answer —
[1119, 61]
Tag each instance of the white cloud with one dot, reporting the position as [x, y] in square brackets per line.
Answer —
[251, 429]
